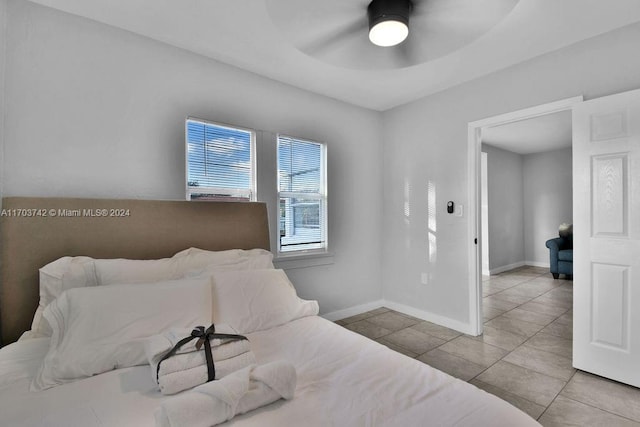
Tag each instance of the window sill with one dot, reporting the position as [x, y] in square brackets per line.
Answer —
[303, 260]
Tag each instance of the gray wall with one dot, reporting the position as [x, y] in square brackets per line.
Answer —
[547, 201]
[529, 197]
[426, 144]
[94, 111]
[506, 208]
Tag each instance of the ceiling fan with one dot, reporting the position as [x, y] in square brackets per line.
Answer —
[343, 32]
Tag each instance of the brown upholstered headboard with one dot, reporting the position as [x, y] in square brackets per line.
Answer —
[36, 231]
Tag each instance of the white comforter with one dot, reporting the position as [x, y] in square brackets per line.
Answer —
[344, 379]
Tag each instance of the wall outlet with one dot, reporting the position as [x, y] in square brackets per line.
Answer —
[424, 278]
[459, 211]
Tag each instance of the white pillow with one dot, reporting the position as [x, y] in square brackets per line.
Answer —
[194, 259]
[254, 300]
[71, 272]
[100, 328]
[120, 270]
[110, 271]
[55, 278]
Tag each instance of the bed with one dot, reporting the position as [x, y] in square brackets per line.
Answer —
[343, 379]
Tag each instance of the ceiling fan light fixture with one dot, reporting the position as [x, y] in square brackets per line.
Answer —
[388, 21]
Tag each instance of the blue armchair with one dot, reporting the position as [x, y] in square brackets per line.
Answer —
[561, 256]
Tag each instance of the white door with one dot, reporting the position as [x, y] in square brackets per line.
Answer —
[606, 266]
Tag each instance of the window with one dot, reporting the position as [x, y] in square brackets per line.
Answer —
[302, 194]
[220, 162]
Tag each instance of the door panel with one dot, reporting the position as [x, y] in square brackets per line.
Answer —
[606, 164]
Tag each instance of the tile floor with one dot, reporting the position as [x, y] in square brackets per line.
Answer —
[523, 357]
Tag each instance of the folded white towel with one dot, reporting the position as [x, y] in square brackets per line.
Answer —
[184, 379]
[157, 345]
[219, 401]
[179, 372]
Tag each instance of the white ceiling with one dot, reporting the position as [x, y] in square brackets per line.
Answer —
[535, 135]
[242, 33]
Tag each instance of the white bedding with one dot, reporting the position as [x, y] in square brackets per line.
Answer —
[344, 379]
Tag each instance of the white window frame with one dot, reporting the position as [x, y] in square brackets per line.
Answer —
[229, 194]
[321, 195]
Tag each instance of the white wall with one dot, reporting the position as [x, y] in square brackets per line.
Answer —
[506, 208]
[425, 143]
[3, 38]
[94, 111]
[548, 201]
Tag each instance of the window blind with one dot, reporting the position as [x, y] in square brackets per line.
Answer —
[219, 161]
[302, 194]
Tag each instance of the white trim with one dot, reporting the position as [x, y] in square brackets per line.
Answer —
[401, 308]
[431, 317]
[507, 267]
[537, 264]
[302, 260]
[352, 311]
[473, 188]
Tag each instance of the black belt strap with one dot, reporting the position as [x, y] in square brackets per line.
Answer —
[204, 336]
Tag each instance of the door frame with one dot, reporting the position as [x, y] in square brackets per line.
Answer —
[474, 219]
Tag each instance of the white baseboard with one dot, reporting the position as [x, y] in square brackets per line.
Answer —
[405, 309]
[430, 317]
[537, 264]
[508, 267]
[352, 311]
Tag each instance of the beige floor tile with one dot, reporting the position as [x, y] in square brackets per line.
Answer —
[538, 286]
[550, 310]
[552, 344]
[510, 280]
[547, 279]
[522, 290]
[436, 330]
[530, 316]
[499, 338]
[516, 277]
[356, 318]
[392, 321]
[474, 351]
[490, 313]
[367, 329]
[489, 289]
[452, 365]
[499, 283]
[513, 325]
[566, 412]
[551, 300]
[413, 340]
[518, 299]
[561, 294]
[412, 318]
[542, 361]
[566, 318]
[378, 311]
[533, 409]
[559, 329]
[491, 302]
[605, 394]
[397, 348]
[531, 385]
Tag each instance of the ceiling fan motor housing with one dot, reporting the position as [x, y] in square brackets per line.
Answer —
[387, 10]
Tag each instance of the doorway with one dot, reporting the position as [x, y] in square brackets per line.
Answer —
[475, 138]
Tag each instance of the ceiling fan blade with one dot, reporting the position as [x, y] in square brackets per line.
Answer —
[356, 28]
